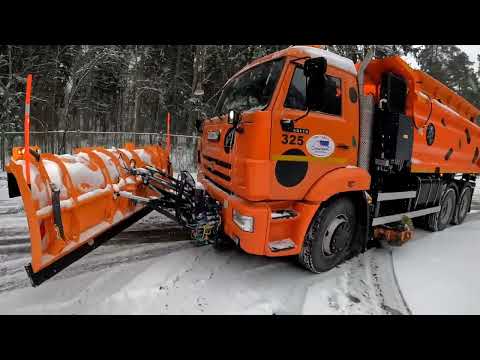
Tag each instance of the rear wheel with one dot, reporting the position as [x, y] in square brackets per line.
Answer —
[439, 221]
[463, 205]
[329, 239]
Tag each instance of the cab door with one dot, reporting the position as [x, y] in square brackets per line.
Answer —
[319, 141]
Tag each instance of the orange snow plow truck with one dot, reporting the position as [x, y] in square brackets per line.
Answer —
[309, 155]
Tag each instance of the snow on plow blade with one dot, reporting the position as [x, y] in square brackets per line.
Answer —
[71, 203]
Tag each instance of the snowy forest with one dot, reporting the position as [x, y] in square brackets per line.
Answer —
[130, 88]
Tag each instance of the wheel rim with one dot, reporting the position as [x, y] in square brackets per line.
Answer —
[448, 206]
[336, 236]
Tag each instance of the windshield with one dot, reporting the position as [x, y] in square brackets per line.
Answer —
[252, 89]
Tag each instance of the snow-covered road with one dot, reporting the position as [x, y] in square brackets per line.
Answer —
[192, 280]
[152, 269]
[438, 272]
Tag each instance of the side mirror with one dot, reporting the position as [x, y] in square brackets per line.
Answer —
[233, 117]
[314, 71]
[287, 125]
[315, 67]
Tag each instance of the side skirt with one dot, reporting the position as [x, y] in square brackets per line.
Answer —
[397, 217]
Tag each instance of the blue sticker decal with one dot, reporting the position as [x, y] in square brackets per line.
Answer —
[320, 146]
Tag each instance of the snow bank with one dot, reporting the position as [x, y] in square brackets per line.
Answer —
[438, 272]
[200, 280]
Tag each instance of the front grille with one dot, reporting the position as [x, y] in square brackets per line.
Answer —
[209, 166]
[218, 185]
[219, 174]
[218, 162]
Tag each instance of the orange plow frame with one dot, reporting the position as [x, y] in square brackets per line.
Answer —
[71, 203]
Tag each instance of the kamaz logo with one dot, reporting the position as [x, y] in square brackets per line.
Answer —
[298, 131]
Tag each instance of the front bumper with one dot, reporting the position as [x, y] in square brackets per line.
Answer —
[267, 232]
[252, 242]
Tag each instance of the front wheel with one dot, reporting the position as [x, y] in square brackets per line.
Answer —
[330, 236]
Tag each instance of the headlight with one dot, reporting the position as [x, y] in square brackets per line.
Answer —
[244, 222]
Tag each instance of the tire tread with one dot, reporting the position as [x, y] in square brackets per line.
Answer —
[306, 255]
[432, 219]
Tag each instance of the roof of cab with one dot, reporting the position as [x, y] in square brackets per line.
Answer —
[333, 59]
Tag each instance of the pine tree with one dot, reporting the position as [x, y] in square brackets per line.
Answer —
[132, 87]
[451, 66]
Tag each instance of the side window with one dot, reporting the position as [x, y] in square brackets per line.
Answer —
[331, 95]
[296, 92]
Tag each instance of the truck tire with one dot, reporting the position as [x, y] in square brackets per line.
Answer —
[420, 222]
[463, 205]
[222, 242]
[329, 238]
[439, 221]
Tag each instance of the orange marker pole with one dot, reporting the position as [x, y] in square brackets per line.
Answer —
[27, 127]
[168, 132]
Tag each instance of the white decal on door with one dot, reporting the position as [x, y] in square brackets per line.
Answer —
[320, 146]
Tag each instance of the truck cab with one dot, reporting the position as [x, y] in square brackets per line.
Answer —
[280, 159]
[313, 155]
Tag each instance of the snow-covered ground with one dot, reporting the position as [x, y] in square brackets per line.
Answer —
[152, 269]
[438, 272]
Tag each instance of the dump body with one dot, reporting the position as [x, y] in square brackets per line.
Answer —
[446, 129]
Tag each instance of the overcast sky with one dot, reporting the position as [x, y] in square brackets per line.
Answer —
[472, 51]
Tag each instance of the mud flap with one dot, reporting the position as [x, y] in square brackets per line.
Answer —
[364, 233]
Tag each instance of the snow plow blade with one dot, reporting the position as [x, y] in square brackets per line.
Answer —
[72, 203]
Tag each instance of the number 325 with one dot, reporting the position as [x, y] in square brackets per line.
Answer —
[292, 139]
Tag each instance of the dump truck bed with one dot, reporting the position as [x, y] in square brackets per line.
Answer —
[445, 125]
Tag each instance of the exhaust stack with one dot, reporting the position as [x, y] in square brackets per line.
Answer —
[367, 105]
